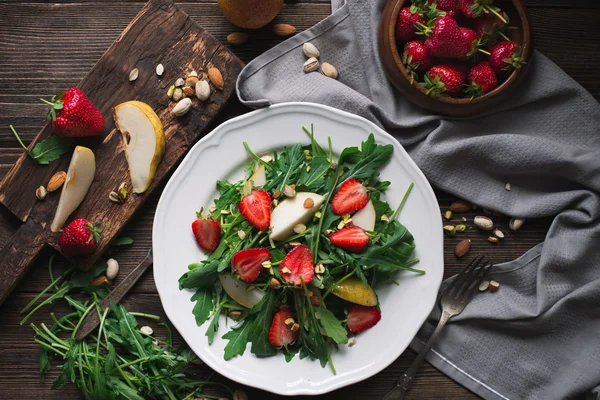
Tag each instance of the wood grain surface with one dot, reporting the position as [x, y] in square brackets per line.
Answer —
[46, 47]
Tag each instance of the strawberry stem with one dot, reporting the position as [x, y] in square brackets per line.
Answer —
[496, 13]
[29, 153]
[484, 51]
[56, 104]
[504, 36]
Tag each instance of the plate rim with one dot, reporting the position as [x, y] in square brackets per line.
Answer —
[351, 119]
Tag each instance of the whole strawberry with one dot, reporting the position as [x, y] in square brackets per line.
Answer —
[490, 27]
[445, 78]
[481, 79]
[447, 40]
[449, 6]
[415, 58]
[475, 43]
[80, 237]
[72, 114]
[505, 56]
[405, 26]
[477, 8]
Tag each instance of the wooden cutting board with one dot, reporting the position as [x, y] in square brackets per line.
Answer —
[159, 34]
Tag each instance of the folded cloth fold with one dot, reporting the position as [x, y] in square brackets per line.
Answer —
[538, 337]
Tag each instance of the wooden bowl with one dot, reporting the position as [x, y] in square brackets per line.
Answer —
[392, 61]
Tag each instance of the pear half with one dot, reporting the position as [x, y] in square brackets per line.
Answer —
[239, 291]
[365, 217]
[80, 175]
[144, 141]
[291, 212]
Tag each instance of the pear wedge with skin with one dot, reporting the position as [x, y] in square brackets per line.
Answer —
[144, 141]
[80, 176]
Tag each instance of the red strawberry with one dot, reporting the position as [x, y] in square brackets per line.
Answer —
[446, 39]
[445, 78]
[415, 58]
[450, 6]
[405, 26]
[474, 41]
[72, 114]
[297, 263]
[248, 263]
[352, 196]
[80, 237]
[477, 8]
[281, 334]
[361, 318]
[256, 208]
[207, 232]
[490, 27]
[482, 79]
[352, 239]
[505, 56]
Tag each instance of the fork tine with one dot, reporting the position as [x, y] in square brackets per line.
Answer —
[472, 276]
[461, 277]
[477, 279]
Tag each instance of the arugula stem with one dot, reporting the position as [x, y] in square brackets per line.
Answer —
[292, 238]
[58, 323]
[29, 153]
[144, 315]
[87, 311]
[335, 284]
[255, 156]
[323, 213]
[48, 347]
[395, 214]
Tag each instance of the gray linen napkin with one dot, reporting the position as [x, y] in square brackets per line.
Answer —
[538, 337]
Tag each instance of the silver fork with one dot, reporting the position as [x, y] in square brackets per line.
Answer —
[454, 299]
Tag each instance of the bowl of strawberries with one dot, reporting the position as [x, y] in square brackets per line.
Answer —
[455, 57]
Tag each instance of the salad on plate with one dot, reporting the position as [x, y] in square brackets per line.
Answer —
[297, 249]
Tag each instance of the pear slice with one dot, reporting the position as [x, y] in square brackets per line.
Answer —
[144, 141]
[291, 212]
[80, 175]
[239, 292]
[259, 178]
[365, 217]
[355, 291]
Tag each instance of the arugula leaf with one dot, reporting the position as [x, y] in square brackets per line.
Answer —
[48, 149]
[204, 304]
[201, 275]
[260, 326]
[313, 180]
[83, 278]
[122, 241]
[286, 168]
[238, 339]
[372, 159]
[213, 327]
[316, 148]
[333, 327]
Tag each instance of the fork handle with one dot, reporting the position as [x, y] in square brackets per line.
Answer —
[397, 393]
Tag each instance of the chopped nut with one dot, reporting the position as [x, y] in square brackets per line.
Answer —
[289, 191]
[289, 321]
[188, 91]
[171, 91]
[241, 235]
[299, 228]
[57, 180]
[133, 75]
[461, 228]
[318, 215]
[277, 194]
[314, 300]
[352, 342]
[293, 186]
[448, 215]
[320, 268]
[191, 80]
[498, 233]
[275, 202]
[507, 186]
[295, 327]
[235, 315]
[494, 286]
[122, 190]
[266, 264]
[341, 225]
[286, 270]
[225, 212]
[515, 224]
[160, 69]
[41, 193]
[294, 244]
[179, 82]
[483, 223]
[177, 94]
[250, 288]
[493, 239]
[309, 203]
[212, 209]
[267, 158]
[385, 218]
[146, 330]
[483, 286]
[308, 168]
[193, 74]
[327, 232]
[464, 219]
[274, 283]
[449, 230]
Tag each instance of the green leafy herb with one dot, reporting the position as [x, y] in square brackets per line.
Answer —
[204, 305]
[48, 149]
[122, 241]
[238, 339]
[332, 326]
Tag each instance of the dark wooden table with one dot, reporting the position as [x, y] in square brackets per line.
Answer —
[48, 46]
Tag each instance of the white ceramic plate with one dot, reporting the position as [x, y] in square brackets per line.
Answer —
[221, 155]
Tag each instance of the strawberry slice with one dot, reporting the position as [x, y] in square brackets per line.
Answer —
[361, 318]
[352, 239]
[297, 263]
[352, 196]
[248, 263]
[280, 334]
[207, 232]
[256, 208]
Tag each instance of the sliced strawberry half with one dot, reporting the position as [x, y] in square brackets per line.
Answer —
[248, 263]
[256, 208]
[207, 232]
[352, 196]
[297, 263]
[281, 334]
[361, 318]
[352, 239]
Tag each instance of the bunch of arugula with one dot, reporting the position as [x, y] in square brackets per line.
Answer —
[312, 169]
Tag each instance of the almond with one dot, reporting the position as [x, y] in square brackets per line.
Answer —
[284, 29]
[216, 78]
[462, 248]
[101, 280]
[460, 206]
[308, 203]
[56, 181]
[237, 38]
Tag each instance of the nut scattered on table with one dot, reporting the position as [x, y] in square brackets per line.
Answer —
[216, 78]
[284, 29]
[112, 269]
[179, 82]
[310, 50]
[170, 91]
[240, 395]
[188, 91]
[507, 186]
[310, 65]
[114, 197]
[237, 38]
[448, 214]
[494, 286]
[498, 233]
[493, 239]
[483, 286]
[460, 206]
[202, 90]
[101, 280]
[516, 223]
[146, 330]
[177, 94]
[122, 190]
[484, 223]
[160, 69]
[41, 193]
[133, 75]
[449, 230]
[191, 79]
[461, 228]
[462, 248]
[182, 107]
[57, 180]
[329, 70]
